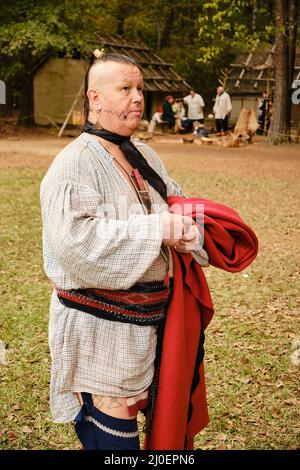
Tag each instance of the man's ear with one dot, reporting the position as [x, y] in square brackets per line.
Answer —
[94, 99]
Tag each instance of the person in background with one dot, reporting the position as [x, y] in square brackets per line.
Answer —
[195, 105]
[179, 110]
[168, 113]
[156, 119]
[200, 130]
[262, 107]
[222, 110]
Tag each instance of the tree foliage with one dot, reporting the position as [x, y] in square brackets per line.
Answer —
[30, 29]
[232, 25]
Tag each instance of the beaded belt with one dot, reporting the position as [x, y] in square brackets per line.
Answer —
[142, 304]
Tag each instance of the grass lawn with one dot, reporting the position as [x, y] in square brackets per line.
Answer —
[252, 386]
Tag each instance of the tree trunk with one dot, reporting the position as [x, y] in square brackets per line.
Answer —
[26, 101]
[122, 15]
[158, 26]
[192, 14]
[165, 41]
[292, 35]
[254, 14]
[279, 130]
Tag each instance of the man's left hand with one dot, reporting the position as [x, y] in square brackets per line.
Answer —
[190, 240]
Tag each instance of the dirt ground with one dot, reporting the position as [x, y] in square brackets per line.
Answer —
[37, 150]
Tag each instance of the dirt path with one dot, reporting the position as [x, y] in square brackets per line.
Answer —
[258, 159]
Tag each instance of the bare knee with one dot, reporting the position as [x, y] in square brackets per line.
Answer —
[112, 406]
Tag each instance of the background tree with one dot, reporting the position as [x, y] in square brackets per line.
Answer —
[32, 29]
[286, 21]
[235, 25]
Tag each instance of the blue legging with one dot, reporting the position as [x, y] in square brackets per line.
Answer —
[99, 431]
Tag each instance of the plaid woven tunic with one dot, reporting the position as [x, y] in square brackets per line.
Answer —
[97, 235]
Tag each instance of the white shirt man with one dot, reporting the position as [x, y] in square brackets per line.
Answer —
[222, 105]
[222, 110]
[195, 104]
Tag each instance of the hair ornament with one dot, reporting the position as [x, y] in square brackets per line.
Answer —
[99, 54]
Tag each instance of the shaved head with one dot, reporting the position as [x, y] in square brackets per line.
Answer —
[115, 96]
[101, 68]
[102, 73]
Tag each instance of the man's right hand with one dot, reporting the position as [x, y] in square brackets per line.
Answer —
[174, 227]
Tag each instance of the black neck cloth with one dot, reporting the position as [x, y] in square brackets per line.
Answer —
[133, 156]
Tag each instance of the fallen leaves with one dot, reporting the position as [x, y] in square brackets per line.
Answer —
[16, 407]
[27, 429]
[251, 383]
[292, 401]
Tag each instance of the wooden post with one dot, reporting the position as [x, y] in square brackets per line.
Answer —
[237, 83]
[71, 110]
[271, 53]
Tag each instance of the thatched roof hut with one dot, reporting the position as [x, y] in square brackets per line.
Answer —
[251, 74]
[58, 81]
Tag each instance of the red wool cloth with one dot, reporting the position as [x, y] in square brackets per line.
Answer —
[181, 407]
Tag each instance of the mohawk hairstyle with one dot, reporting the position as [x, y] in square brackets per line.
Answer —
[97, 57]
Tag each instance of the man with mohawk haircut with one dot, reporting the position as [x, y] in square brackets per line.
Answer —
[110, 262]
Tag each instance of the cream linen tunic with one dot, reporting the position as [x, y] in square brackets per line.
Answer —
[95, 234]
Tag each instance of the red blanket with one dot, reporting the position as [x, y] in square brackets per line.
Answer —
[230, 243]
[181, 408]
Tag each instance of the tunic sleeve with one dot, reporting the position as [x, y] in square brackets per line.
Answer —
[95, 250]
[229, 105]
[174, 189]
[201, 102]
[215, 106]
